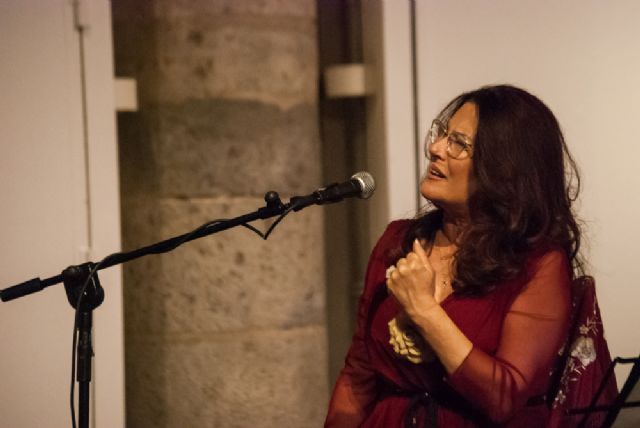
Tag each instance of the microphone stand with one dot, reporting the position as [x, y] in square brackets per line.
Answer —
[74, 278]
[85, 293]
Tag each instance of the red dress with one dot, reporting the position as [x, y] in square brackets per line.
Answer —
[516, 331]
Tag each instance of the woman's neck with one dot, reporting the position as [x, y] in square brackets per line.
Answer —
[452, 227]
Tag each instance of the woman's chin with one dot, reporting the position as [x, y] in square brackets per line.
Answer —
[445, 203]
[429, 193]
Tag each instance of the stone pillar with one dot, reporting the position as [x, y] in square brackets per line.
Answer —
[228, 330]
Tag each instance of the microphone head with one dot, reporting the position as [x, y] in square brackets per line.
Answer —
[366, 182]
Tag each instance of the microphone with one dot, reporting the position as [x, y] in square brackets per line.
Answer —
[361, 185]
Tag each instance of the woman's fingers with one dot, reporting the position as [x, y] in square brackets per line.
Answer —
[389, 271]
[410, 281]
[412, 257]
[409, 270]
[420, 253]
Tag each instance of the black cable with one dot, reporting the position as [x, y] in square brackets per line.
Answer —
[75, 338]
[278, 220]
[96, 267]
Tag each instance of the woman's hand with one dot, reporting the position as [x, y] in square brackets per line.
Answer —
[412, 283]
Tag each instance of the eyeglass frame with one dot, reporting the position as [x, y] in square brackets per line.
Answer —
[431, 140]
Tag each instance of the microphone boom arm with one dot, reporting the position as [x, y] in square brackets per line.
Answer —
[361, 185]
[273, 208]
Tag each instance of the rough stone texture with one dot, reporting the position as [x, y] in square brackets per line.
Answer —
[230, 281]
[219, 147]
[258, 63]
[245, 50]
[228, 330]
[252, 379]
[269, 8]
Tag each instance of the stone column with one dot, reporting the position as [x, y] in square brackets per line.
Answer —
[228, 330]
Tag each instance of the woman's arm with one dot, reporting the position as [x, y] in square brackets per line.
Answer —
[412, 284]
[355, 391]
[532, 333]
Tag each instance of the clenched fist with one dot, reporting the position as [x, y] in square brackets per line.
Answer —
[412, 283]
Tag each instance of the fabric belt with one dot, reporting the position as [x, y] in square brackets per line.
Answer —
[430, 402]
[417, 400]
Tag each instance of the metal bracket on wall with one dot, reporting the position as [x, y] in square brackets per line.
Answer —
[125, 94]
[347, 80]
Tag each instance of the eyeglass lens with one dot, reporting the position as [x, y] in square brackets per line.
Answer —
[456, 144]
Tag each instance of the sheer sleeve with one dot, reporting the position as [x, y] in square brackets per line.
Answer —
[355, 389]
[533, 331]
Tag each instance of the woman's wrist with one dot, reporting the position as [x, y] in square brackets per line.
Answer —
[423, 314]
[449, 343]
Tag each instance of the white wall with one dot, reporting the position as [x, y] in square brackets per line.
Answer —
[391, 156]
[46, 189]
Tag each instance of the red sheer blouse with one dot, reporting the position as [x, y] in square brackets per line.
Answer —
[516, 332]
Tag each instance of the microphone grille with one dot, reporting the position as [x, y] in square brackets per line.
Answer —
[367, 184]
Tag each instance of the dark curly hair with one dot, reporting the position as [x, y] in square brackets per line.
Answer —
[526, 183]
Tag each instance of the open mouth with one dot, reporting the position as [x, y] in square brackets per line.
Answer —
[433, 170]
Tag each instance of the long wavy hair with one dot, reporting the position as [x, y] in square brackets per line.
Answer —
[526, 182]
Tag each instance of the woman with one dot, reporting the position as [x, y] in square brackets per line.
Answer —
[466, 307]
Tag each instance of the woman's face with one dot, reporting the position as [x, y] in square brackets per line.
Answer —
[448, 182]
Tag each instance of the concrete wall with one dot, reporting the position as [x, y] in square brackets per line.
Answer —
[229, 330]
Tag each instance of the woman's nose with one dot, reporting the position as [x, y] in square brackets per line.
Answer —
[438, 148]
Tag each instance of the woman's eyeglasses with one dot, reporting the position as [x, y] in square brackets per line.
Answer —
[458, 144]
